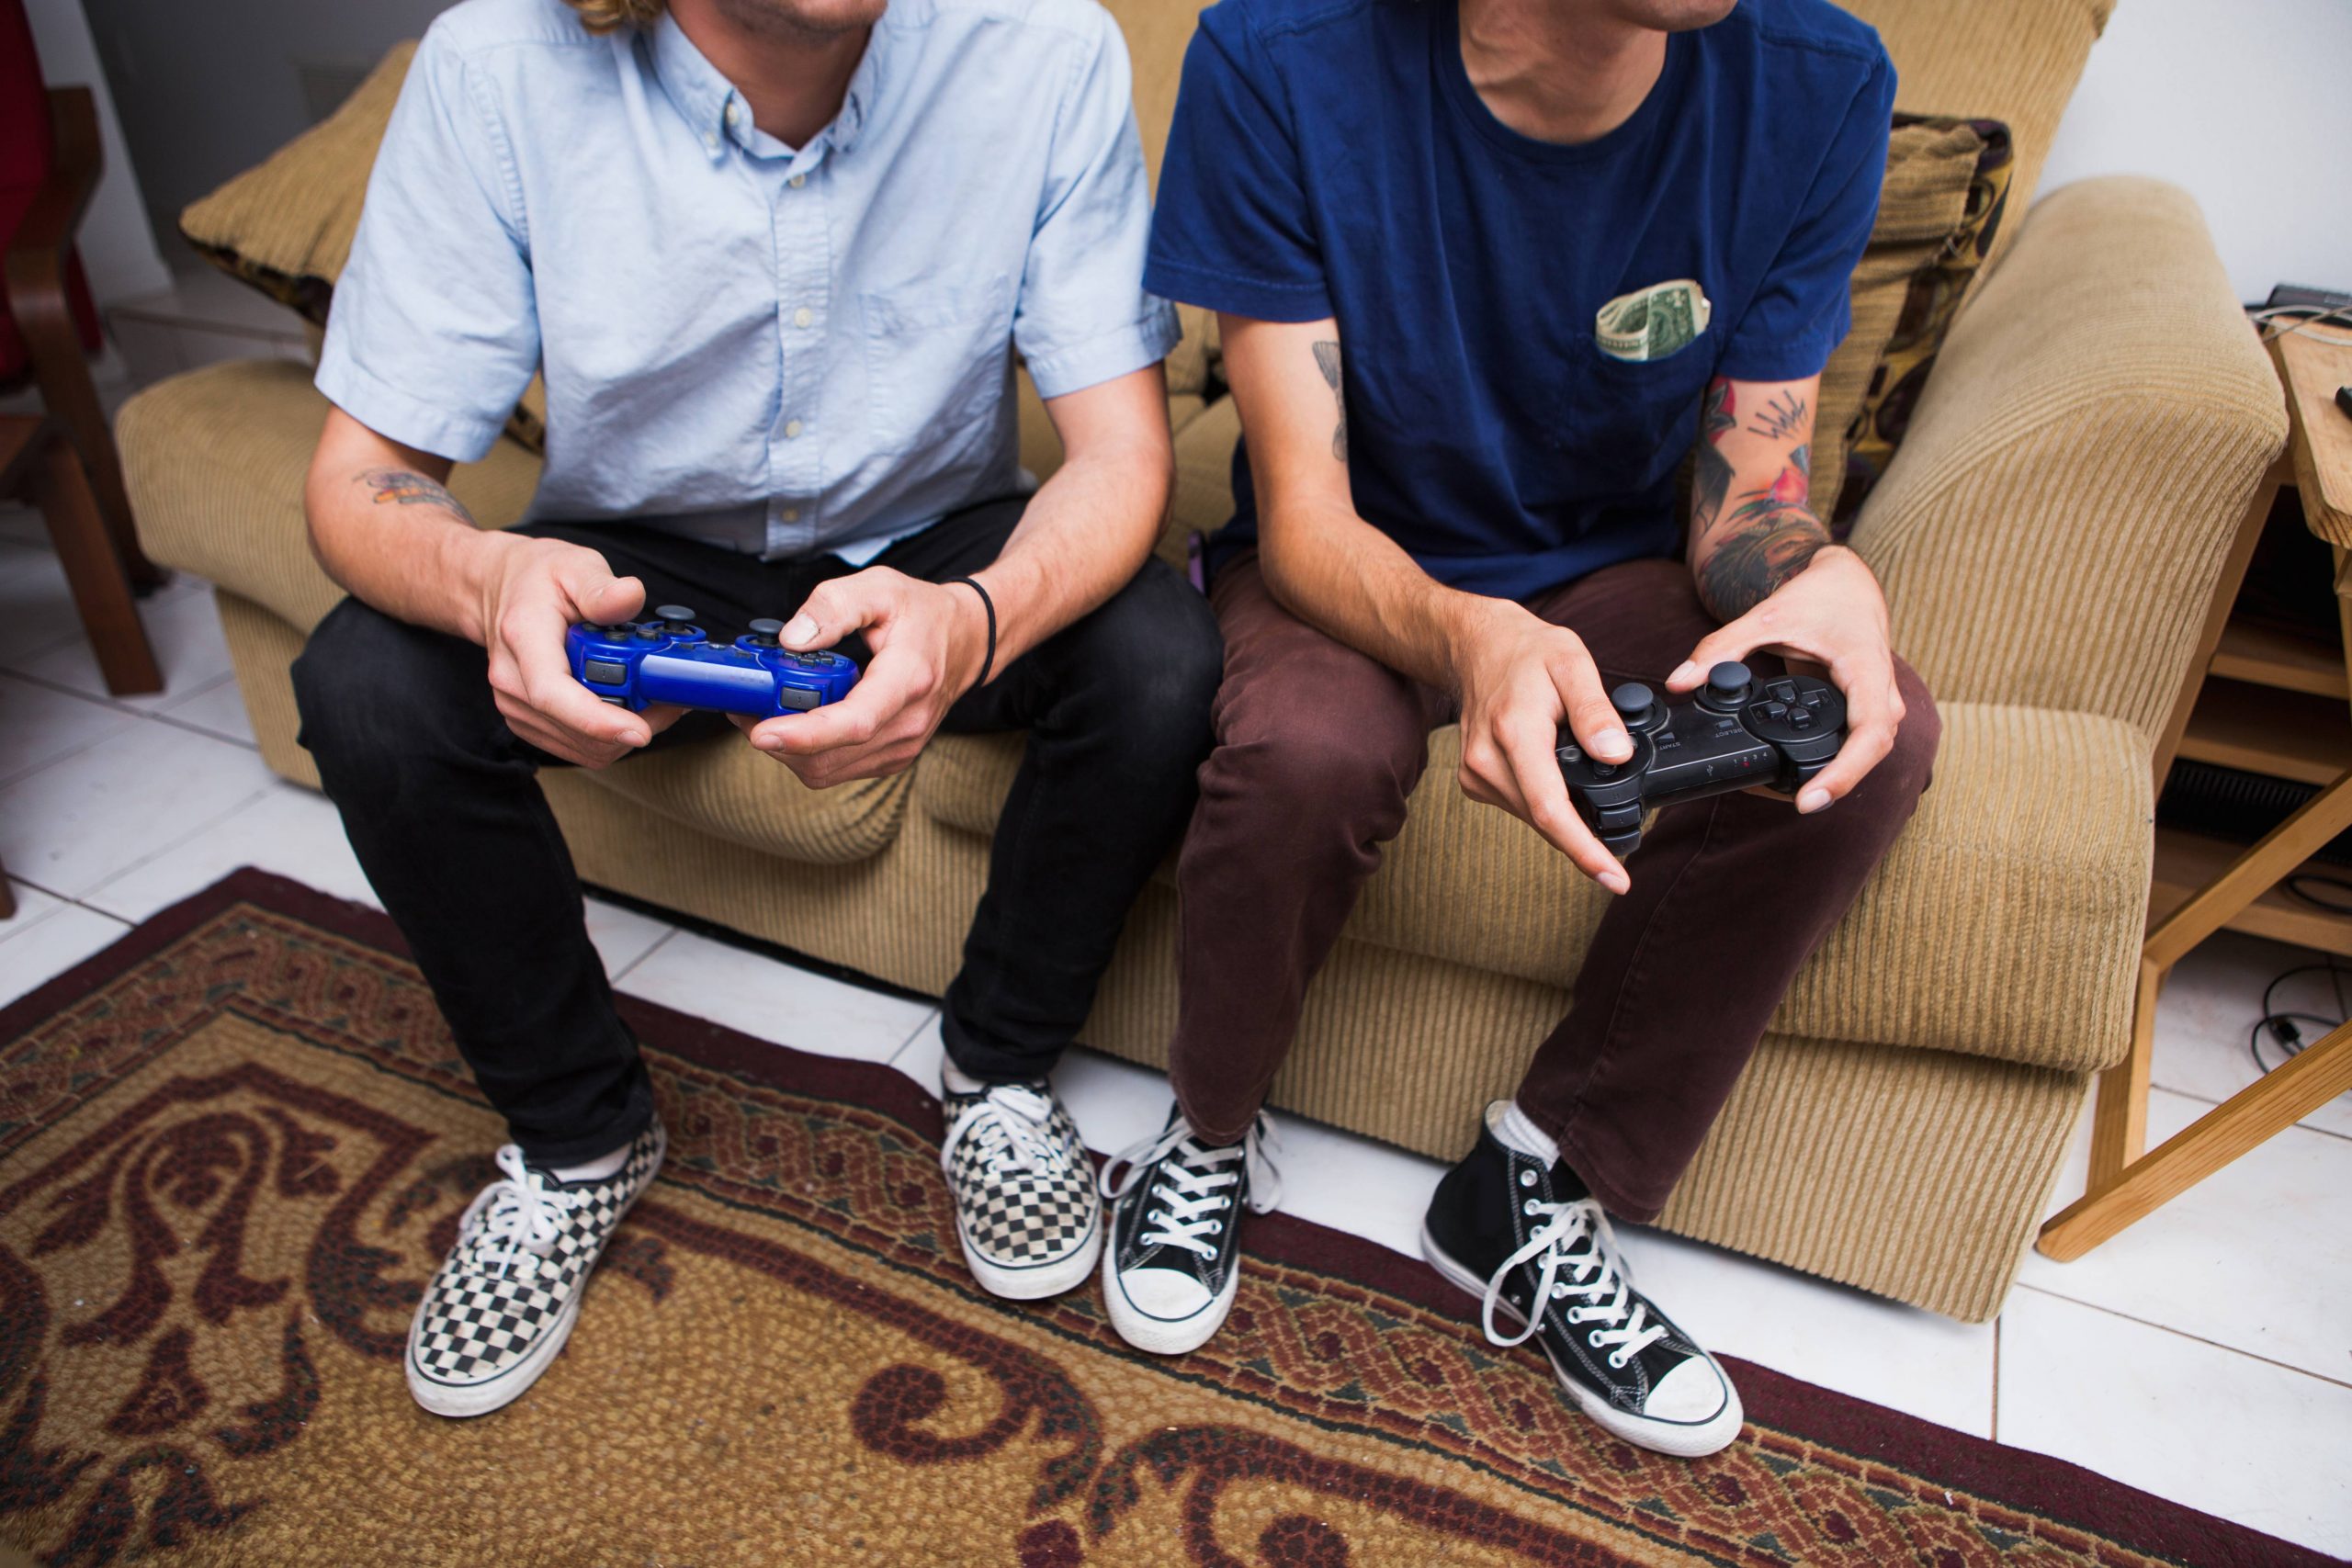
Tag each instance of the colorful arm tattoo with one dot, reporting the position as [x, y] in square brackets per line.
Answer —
[1327, 360]
[404, 487]
[1741, 554]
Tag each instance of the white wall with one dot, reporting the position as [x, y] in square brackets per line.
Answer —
[2246, 104]
[117, 248]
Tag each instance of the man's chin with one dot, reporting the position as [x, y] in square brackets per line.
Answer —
[808, 18]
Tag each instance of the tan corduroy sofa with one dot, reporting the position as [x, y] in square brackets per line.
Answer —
[2048, 537]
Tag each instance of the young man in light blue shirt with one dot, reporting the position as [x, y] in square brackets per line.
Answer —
[774, 258]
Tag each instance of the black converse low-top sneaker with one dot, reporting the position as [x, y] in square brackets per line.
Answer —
[1525, 1238]
[502, 1304]
[1174, 1263]
[1025, 1208]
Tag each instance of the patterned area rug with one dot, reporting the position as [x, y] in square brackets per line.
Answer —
[233, 1148]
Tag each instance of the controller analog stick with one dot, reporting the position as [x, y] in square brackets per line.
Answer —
[674, 613]
[1727, 685]
[1631, 702]
[768, 631]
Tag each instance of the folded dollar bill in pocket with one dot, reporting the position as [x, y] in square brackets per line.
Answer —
[1652, 322]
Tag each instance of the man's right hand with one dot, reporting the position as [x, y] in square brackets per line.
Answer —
[532, 591]
[1519, 678]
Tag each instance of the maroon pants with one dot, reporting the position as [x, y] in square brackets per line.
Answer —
[1317, 747]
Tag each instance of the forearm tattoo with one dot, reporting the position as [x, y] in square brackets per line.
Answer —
[404, 487]
[1783, 417]
[1768, 534]
[1327, 360]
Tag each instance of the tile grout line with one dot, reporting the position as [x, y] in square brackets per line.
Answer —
[659, 942]
[900, 1049]
[2193, 1338]
[181, 842]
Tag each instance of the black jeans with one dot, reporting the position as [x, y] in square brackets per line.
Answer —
[442, 804]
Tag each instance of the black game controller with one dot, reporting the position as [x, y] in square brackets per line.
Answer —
[1738, 733]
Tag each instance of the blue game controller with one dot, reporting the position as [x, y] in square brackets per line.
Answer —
[669, 659]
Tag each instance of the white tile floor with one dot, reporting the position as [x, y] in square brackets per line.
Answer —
[2206, 1354]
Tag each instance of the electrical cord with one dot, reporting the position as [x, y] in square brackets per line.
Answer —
[2339, 903]
[2302, 319]
[2282, 1025]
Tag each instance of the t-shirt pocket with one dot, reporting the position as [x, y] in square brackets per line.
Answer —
[1629, 422]
[938, 359]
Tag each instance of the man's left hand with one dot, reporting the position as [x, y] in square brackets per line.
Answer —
[928, 640]
[1833, 614]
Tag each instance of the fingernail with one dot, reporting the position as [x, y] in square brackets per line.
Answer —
[1612, 742]
[799, 629]
[1813, 800]
[1683, 672]
[1615, 881]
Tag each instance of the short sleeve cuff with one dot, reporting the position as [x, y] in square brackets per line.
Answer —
[1786, 359]
[1107, 356]
[429, 427]
[1253, 297]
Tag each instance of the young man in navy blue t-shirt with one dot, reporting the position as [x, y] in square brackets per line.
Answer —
[1455, 500]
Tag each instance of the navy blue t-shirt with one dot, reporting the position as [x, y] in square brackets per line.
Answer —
[1330, 158]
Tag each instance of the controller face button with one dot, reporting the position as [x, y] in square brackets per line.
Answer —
[604, 672]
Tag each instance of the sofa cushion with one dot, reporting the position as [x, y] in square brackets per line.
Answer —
[2013, 60]
[2015, 911]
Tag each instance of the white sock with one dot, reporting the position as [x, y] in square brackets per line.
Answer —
[956, 1079]
[596, 1169]
[1510, 1124]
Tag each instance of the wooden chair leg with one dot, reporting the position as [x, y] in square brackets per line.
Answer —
[2269, 1105]
[96, 573]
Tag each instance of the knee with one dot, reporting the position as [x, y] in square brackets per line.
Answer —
[1313, 762]
[369, 693]
[1148, 662]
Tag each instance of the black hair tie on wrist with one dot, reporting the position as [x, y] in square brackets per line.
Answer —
[989, 662]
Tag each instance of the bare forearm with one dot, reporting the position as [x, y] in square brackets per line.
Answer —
[1348, 579]
[1087, 531]
[388, 531]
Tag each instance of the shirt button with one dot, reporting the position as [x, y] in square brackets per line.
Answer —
[711, 141]
[789, 515]
[792, 430]
[801, 317]
[734, 114]
[796, 181]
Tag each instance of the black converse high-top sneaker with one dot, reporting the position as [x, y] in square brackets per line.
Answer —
[504, 1302]
[1025, 1208]
[1174, 1262]
[1526, 1239]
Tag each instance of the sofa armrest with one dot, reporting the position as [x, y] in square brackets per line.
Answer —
[2053, 527]
[215, 460]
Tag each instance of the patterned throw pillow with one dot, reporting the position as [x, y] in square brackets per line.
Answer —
[1932, 297]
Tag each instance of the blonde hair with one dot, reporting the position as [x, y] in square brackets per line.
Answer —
[606, 15]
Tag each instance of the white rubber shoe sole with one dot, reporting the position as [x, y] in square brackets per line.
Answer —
[1039, 1280]
[1682, 1439]
[1165, 1336]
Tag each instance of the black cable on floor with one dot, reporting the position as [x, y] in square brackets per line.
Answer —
[2282, 1026]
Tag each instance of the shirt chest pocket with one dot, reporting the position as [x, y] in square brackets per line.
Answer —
[1626, 424]
[938, 359]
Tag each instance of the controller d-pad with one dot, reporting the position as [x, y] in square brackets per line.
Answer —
[1776, 710]
[1815, 699]
[1786, 690]
[1800, 718]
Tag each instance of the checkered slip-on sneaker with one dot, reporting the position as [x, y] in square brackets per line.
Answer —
[1025, 1208]
[501, 1308]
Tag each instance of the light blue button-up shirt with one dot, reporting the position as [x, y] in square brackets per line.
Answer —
[781, 350]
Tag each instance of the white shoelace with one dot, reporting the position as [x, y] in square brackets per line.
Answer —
[1190, 1189]
[1598, 1271]
[1012, 1125]
[521, 1210]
